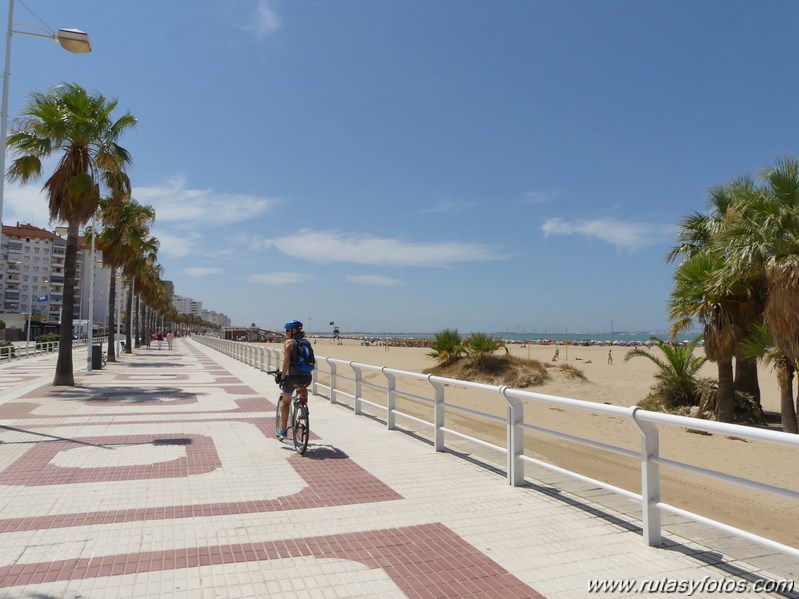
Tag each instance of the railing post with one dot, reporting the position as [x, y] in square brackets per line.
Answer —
[515, 437]
[358, 389]
[315, 381]
[332, 381]
[438, 414]
[391, 400]
[650, 479]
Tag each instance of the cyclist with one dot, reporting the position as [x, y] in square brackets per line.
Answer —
[291, 378]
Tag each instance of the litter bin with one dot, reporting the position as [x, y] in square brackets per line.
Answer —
[97, 356]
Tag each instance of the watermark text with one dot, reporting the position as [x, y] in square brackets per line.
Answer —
[687, 587]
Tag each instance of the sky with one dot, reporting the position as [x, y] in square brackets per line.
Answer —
[410, 166]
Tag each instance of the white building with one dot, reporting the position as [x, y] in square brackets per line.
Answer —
[32, 276]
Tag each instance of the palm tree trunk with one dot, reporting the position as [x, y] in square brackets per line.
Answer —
[63, 370]
[785, 374]
[112, 303]
[746, 377]
[725, 399]
[128, 346]
[137, 330]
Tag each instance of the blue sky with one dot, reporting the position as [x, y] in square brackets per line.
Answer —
[407, 165]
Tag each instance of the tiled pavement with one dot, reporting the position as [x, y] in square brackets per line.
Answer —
[160, 476]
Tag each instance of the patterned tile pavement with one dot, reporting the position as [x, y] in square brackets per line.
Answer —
[160, 476]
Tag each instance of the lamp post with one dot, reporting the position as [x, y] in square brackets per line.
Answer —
[90, 334]
[72, 40]
[30, 313]
[118, 303]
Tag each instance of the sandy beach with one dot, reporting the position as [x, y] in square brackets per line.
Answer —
[622, 384]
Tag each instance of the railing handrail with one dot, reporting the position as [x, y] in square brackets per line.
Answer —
[646, 422]
[37, 348]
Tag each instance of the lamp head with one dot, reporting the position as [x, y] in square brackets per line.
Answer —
[74, 40]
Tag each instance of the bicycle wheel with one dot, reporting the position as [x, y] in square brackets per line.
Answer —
[301, 427]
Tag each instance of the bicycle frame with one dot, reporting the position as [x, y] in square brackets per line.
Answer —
[298, 421]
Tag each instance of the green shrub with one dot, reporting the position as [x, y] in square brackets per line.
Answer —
[46, 338]
[480, 346]
[447, 346]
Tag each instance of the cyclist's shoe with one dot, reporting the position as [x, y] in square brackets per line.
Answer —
[282, 433]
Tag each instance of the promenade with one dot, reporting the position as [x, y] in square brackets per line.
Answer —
[160, 476]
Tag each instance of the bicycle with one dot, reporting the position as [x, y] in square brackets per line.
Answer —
[298, 420]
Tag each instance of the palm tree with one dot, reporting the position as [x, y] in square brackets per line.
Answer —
[447, 346]
[479, 346]
[676, 375]
[127, 226]
[70, 122]
[760, 345]
[142, 254]
[762, 244]
[109, 243]
[725, 303]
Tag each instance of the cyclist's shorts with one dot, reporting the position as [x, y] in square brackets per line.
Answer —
[296, 380]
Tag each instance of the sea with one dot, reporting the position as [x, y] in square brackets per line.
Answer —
[615, 337]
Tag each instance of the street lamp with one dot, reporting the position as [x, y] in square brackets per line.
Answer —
[90, 334]
[72, 40]
[30, 313]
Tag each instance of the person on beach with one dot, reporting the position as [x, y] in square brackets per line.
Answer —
[290, 377]
[557, 354]
[610, 357]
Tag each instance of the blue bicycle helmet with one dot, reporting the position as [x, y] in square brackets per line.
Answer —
[293, 324]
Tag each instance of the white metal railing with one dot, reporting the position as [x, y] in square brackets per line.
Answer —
[328, 377]
[33, 349]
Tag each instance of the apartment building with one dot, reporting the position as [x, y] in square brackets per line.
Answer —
[32, 280]
[32, 276]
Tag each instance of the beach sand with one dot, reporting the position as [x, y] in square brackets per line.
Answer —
[620, 384]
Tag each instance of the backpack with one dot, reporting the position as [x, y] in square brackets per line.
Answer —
[305, 357]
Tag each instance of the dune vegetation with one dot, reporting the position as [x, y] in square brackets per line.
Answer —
[476, 359]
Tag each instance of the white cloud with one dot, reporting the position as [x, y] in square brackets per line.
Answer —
[372, 280]
[173, 202]
[200, 271]
[263, 20]
[280, 278]
[26, 204]
[630, 236]
[449, 207]
[534, 198]
[328, 247]
[175, 245]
